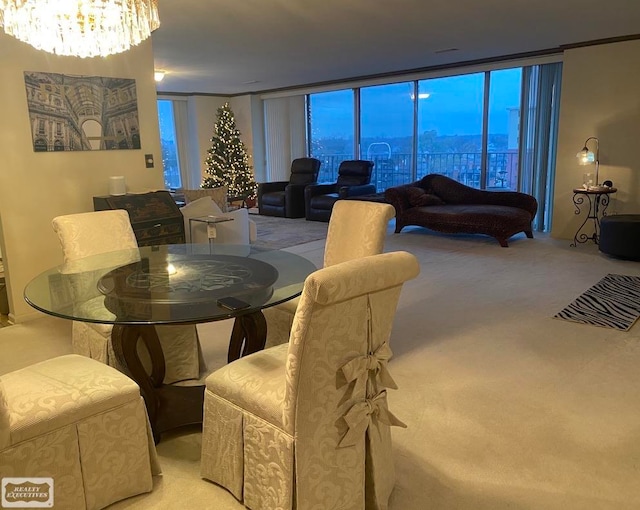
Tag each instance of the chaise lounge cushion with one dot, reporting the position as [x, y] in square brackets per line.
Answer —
[446, 205]
[418, 197]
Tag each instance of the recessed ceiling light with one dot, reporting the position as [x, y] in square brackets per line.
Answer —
[250, 82]
[158, 76]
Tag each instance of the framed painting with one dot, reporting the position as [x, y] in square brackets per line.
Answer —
[82, 113]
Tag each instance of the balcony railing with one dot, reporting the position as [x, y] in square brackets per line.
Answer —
[502, 168]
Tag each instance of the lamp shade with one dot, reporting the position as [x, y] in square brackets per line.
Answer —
[586, 157]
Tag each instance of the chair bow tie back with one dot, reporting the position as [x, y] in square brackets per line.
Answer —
[366, 413]
[358, 368]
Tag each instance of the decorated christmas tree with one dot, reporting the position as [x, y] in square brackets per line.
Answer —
[227, 160]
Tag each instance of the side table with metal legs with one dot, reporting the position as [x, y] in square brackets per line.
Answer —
[211, 222]
[597, 201]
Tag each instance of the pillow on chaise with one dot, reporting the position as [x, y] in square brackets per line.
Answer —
[418, 197]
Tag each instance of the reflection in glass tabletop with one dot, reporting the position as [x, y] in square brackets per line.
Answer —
[168, 284]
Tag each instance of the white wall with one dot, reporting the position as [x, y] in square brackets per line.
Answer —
[600, 97]
[36, 187]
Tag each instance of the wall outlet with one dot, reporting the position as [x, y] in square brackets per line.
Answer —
[148, 160]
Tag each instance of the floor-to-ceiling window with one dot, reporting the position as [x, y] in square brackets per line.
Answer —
[465, 127]
[503, 133]
[386, 132]
[331, 130]
[450, 116]
[169, 144]
[468, 127]
[492, 129]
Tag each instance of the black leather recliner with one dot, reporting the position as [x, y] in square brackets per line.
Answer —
[286, 198]
[354, 177]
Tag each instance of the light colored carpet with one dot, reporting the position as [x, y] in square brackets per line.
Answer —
[507, 408]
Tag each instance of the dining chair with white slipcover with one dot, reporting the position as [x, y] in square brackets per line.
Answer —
[356, 229]
[92, 233]
[305, 424]
[81, 423]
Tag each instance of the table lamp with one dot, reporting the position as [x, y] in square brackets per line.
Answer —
[587, 157]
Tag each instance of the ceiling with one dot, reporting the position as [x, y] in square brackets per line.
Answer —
[232, 47]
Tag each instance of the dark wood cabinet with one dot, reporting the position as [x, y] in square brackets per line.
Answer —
[155, 217]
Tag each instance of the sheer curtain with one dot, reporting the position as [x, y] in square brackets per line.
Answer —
[189, 175]
[285, 135]
[538, 139]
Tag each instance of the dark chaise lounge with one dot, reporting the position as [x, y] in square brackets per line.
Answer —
[440, 203]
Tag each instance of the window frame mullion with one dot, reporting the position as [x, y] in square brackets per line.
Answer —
[484, 156]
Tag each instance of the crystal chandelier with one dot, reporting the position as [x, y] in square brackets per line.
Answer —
[80, 28]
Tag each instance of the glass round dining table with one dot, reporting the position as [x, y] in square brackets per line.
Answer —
[138, 289]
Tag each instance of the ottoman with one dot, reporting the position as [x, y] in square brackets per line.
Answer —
[620, 236]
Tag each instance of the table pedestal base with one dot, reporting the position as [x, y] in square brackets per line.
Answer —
[249, 335]
[170, 406]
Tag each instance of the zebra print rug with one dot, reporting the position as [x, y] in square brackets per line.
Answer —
[613, 302]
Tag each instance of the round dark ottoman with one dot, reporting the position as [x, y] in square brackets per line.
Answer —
[620, 236]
